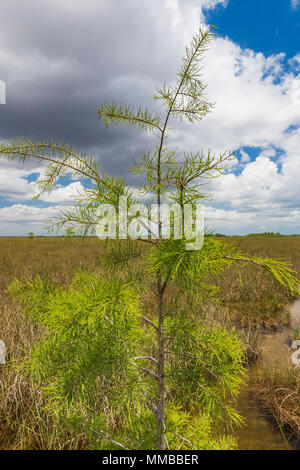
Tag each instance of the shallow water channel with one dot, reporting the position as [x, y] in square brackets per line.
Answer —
[261, 432]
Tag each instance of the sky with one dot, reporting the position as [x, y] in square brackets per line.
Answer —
[60, 60]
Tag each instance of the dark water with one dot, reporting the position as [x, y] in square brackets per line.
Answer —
[260, 432]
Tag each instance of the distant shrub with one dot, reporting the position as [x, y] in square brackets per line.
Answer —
[265, 234]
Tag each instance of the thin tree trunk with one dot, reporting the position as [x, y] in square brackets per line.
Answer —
[160, 412]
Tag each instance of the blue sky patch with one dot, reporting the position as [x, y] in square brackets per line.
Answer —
[267, 26]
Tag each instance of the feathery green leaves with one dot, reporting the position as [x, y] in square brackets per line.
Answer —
[187, 99]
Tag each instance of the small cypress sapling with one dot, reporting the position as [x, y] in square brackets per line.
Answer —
[203, 373]
[92, 366]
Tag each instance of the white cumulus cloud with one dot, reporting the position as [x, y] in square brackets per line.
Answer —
[257, 101]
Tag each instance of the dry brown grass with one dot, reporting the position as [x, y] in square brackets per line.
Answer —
[280, 393]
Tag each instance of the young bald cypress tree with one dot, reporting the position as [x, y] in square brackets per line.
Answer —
[164, 375]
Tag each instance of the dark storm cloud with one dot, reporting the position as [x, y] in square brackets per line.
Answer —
[61, 59]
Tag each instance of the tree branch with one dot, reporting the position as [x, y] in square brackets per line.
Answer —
[149, 372]
[150, 358]
[101, 433]
[134, 119]
[184, 439]
[149, 322]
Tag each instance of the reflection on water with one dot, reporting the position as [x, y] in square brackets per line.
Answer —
[260, 433]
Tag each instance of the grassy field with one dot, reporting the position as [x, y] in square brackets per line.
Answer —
[250, 299]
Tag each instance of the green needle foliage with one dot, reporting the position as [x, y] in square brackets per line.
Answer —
[92, 328]
[93, 369]
[109, 371]
[114, 114]
[69, 234]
